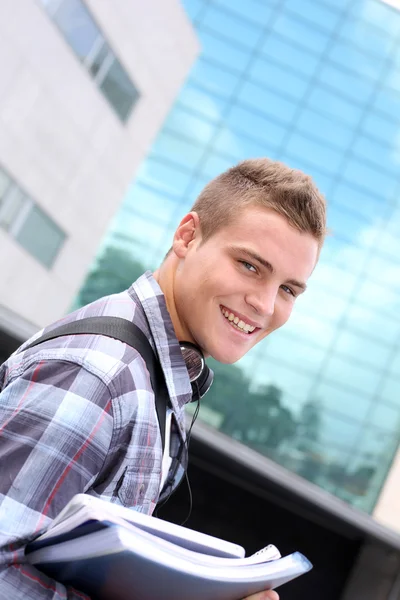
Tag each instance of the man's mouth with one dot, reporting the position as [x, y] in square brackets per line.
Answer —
[237, 322]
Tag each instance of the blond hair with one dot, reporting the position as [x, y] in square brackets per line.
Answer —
[267, 183]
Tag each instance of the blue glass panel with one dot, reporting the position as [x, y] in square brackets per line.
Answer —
[347, 403]
[324, 128]
[362, 348]
[180, 151]
[162, 176]
[392, 79]
[376, 296]
[289, 349]
[213, 78]
[240, 147]
[372, 322]
[292, 55]
[277, 78]
[193, 8]
[349, 56]
[201, 101]
[215, 164]
[331, 104]
[339, 430]
[371, 178]
[352, 375]
[150, 202]
[318, 14]
[388, 101]
[378, 14]
[317, 153]
[252, 10]
[221, 51]
[385, 272]
[232, 26]
[301, 33]
[370, 40]
[380, 127]
[346, 82]
[253, 124]
[382, 156]
[370, 208]
[348, 226]
[390, 390]
[189, 125]
[395, 363]
[270, 103]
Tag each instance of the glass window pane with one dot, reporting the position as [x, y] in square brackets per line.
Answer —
[329, 103]
[273, 76]
[301, 33]
[324, 128]
[356, 88]
[232, 26]
[202, 102]
[322, 16]
[371, 178]
[13, 202]
[77, 26]
[352, 375]
[185, 123]
[253, 10]
[40, 236]
[102, 53]
[272, 104]
[221, 51]
[352, 58]
[214, 78]
[285, 52]
[183, 152]
[369, 39]
[119, 90]
[317, 153]
[255, 124]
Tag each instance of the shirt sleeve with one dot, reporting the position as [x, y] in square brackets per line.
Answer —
[55, 430]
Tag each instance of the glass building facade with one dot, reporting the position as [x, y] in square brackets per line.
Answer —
[315, 84]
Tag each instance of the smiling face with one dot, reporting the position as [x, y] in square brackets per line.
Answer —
[238, 286]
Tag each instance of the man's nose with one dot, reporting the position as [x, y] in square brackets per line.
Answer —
[263, 301]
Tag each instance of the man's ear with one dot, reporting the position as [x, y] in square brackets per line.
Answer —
[186, 234]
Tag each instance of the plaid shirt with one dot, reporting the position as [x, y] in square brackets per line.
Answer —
[77, 414]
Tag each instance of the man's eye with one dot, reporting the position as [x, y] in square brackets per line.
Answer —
[249, 266]
[288, 290]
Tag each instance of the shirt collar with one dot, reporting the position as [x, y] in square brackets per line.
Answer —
[150, 296]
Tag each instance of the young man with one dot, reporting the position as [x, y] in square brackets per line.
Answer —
[77, 413]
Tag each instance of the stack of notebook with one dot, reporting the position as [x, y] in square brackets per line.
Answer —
[114, 553]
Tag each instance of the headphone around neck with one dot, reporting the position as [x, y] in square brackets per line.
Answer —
[200, 375]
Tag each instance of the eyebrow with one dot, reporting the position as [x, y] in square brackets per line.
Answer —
[265, 263]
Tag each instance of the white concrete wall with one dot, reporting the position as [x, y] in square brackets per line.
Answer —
[63, 143]
[387, 509]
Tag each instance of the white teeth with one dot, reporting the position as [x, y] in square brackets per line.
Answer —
[238, 322]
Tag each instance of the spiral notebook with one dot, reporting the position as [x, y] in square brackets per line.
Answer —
[114, 553]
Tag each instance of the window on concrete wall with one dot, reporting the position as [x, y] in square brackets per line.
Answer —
[27, 223]
[86, 40]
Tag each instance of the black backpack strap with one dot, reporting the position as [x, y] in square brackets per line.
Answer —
[125, 331]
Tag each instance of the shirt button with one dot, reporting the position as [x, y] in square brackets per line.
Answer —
[141, 490]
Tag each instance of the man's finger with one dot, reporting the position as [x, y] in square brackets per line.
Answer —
[270, 595]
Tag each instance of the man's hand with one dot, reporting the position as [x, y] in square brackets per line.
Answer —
[271, 595]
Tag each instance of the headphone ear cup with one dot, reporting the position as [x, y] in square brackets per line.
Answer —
[201, 386]
[201, 376]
